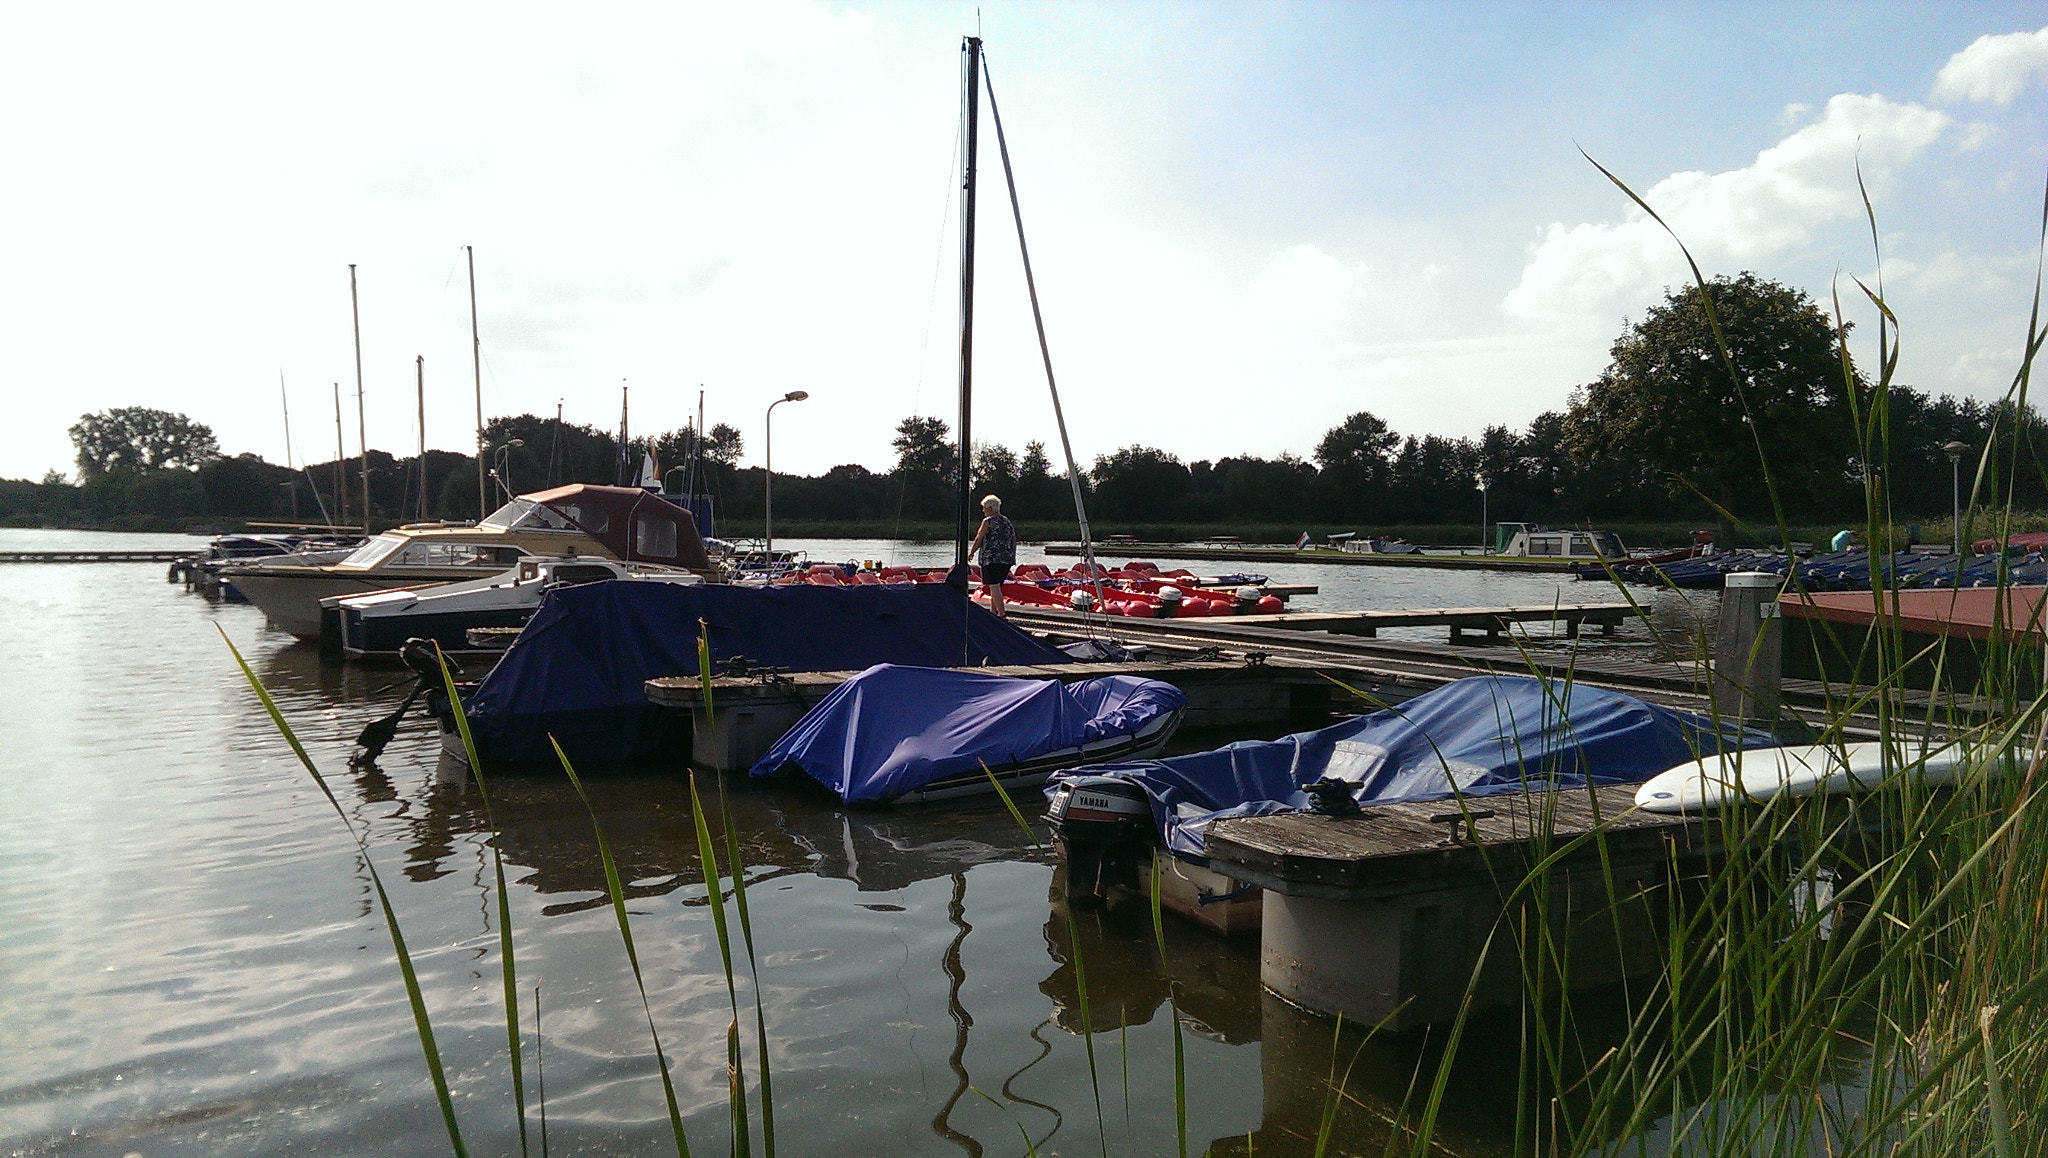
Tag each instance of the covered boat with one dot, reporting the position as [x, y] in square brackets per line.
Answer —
[579, 670]
[1476, 737]
[895, 733]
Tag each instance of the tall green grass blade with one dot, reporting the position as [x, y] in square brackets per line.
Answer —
[507, 967]
[617, 891]
[739, 894]
[422, 1025]
[714, 891]
[1180, 1057]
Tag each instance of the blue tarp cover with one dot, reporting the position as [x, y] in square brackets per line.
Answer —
[580, 668]
[1477, 736]
[892, 730]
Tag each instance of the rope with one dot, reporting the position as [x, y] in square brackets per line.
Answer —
[1093, 617]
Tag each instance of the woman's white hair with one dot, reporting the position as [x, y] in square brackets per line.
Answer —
[991, 503]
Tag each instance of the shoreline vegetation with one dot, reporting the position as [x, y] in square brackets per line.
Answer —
[1664, 442]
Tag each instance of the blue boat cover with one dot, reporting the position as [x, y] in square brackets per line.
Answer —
[892, 730]
[1478, 736]
[579, 670]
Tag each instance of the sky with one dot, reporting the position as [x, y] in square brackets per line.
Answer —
[1246, 221]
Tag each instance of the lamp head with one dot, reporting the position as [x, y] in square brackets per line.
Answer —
[796, 396]
[517, 442]
[1955, 450]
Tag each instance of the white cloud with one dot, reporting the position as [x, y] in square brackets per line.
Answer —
[1994, 68]
[1594, 272]
[1976, 135]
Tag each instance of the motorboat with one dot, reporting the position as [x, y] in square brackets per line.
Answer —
[902, 735]
[200, 571]
[627, 524]
[378, 623]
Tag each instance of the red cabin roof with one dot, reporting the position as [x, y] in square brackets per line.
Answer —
[1968, 612]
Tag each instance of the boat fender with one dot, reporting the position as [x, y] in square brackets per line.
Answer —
[1269, 605]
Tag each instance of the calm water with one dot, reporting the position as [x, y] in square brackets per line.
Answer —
[192, 960]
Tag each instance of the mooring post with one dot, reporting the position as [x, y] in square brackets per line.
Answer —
[1749, 648]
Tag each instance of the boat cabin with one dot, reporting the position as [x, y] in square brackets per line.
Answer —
[1538, 541]
[628, 523]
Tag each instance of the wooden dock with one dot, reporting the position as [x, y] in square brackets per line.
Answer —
[1281, 554]
[1487, 621]
[92, 556]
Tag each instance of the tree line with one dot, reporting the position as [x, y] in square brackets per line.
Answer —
[1669, 431]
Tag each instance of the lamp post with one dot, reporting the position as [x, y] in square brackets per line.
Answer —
[503, 471]
[1484, 549]
[768, 475]
[1955, 452]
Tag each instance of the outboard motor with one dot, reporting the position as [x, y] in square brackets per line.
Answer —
[1081, 601]
[1103, 826]
[1246, 599]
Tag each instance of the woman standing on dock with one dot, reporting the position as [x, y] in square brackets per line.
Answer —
[996, 539]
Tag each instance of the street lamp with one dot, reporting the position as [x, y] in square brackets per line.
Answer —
[768, 480]
[1483, 548]
[503, 471]
[1955, 452]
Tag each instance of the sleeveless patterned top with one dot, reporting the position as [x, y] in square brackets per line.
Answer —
[999, 542]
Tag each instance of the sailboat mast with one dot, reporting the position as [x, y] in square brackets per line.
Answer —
[362, 427]
[964, 495]
[476, 357]
[340, 458]
[420, 365]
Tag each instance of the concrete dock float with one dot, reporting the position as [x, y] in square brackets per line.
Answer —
[1385, 916]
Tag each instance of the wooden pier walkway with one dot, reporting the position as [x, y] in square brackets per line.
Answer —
[1315, 555]
[1488, 621]
[92, 556]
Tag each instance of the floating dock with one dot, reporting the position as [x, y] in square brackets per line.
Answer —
[1282, 554]
[1385, 916]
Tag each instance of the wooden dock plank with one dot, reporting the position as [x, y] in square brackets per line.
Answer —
[1394, 848]
[687, 691]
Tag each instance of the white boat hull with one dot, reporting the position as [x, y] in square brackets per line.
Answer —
[1760, 774]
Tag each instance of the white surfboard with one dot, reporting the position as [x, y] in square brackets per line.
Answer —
[1758, 774]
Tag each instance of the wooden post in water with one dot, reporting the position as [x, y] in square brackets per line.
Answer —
[1749, 648]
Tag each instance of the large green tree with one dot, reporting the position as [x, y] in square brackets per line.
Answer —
[137, 438]
[1669, 397]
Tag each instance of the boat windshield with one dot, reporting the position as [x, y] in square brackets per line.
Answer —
[522, 514]
[373, 552]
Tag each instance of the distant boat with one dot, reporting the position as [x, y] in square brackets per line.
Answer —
[622, 523]
[1535, 541]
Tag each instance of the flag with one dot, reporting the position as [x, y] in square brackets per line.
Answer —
[1301, 544]
[650, 470]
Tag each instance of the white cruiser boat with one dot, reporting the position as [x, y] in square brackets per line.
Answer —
[377, 623]
[625, 524]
